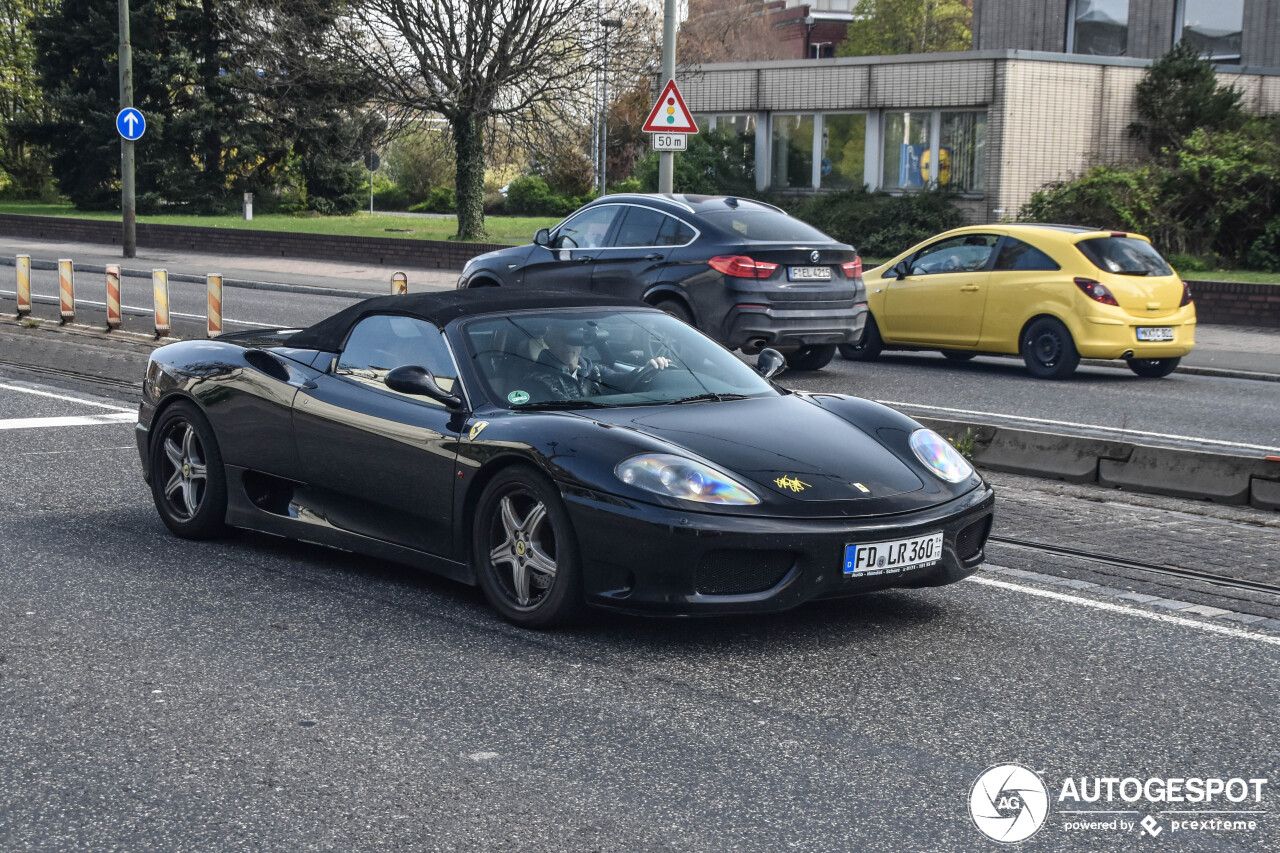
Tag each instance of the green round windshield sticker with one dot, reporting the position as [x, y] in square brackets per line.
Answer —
[517, 398]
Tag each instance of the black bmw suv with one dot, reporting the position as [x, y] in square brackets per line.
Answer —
[742, 271]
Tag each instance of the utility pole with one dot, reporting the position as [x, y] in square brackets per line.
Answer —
[608, 24]
[128, 207]
[666, 159]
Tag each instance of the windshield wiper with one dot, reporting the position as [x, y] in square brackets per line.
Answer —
[709, 396]
[550, 405]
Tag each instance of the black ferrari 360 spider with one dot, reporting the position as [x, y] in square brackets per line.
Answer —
[559, 450]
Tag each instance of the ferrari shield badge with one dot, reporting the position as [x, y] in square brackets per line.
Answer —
[795, 484]
[476, 429]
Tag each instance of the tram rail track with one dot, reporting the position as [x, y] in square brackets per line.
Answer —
[1138, 565]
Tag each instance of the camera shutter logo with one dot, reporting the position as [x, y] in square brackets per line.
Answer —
[1009, 803]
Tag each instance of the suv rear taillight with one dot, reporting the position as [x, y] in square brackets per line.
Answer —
[1186, 295]
[853, 269]
[1097, 291]
[740, 266]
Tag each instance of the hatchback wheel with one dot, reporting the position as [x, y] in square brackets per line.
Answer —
[812, 358]
[1153, 368]
[867, 349]
[1048, 350]
[525, 553]
[188, 482]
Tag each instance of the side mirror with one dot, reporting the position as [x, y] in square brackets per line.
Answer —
[542, 238]
[411, 379]
[902, 269]
[770, 363]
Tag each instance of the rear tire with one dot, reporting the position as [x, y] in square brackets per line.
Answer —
[675, 308]
[1048, 350]
[958, 355]
[188, 481]
[1153, 368]
[813, 357]
[868, 349]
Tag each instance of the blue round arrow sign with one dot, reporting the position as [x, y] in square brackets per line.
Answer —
[131, 124]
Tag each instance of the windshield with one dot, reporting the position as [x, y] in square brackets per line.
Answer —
[592, 358]
[1124, 256]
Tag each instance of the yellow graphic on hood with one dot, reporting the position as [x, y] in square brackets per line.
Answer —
[476, 429]
[792, 483]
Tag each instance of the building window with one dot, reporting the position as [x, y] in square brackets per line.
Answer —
[1214, 26]
[792, 164]
[906, 143]
[962, 152]
[844, 150]
[1098, 27]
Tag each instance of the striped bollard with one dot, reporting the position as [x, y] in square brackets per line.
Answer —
[160, 291]
[113, 296]
[23, 266]
[399, 284]
[213, 283]
[67, 290]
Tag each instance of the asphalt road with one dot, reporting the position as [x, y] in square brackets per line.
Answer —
[251, 693]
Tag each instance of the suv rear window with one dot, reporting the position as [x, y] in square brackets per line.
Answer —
[1124, 256]
[766, 226]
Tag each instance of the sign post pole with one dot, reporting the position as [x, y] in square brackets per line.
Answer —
[666, 160]
[128, 208]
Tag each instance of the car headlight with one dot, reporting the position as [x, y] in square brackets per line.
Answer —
[938, 454]
[677, 477]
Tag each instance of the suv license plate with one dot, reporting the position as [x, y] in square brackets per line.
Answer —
[809, 273]
[900, 555]
[1155, 333]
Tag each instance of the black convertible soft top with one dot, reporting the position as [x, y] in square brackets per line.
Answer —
[443, 306]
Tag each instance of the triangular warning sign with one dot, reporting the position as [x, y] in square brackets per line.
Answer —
[670, 115]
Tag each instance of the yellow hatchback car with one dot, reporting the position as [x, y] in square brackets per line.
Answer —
[1051, 293]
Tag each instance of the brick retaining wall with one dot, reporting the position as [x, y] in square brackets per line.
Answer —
[1225, 302]
[420, 254]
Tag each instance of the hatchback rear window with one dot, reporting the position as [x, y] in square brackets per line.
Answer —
[766, 226]
[1124, 256]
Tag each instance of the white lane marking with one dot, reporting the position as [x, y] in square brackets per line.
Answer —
[1130, 611]
[65, 397]
[145, 312]
[1119, 430]
[66, 421]
[77, 450]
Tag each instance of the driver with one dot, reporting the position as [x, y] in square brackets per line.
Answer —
[564, 373]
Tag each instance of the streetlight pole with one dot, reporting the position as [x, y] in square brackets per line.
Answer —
[666, 159]
[608, 24]
[128, 206]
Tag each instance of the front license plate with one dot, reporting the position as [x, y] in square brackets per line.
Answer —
[901, 555]
[809, 273]
[1155, 333]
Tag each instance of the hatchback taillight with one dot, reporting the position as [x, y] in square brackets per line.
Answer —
[741, 266]
[1186, 295]
[1097, 291]
[853, 269]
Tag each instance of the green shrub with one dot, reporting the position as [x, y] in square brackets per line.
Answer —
[530, 196]
[878, 224]
[389, 196]
[717, 162]
[1184, 263]
[440, 200]
[1264, 253]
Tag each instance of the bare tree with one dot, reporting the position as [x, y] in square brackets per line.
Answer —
[729, 31]
[529, 63]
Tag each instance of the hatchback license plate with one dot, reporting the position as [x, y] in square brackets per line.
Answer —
[900, 555]
[810, 273]
[1155, 333]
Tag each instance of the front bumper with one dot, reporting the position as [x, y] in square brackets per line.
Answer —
[649, 559]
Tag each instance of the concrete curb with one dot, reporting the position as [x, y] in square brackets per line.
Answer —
[186, 278]
[1233, 479]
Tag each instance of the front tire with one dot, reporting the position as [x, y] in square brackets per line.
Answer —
[869, 348]
[188, 481]
[1048, 349]
[1153, 368]
[526, 555]
[813, 357]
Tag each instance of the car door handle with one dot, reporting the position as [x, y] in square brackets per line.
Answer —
[585, 259]
[969, 288]
[654, 256]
